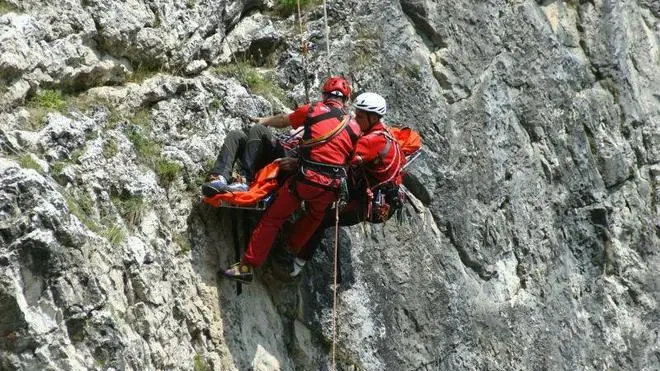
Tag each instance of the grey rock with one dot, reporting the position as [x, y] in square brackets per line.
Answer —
[530, 240]
[254, 38]
[15, 93]
[195, 67]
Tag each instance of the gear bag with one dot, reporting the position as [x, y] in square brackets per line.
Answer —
[409, 140]
[386, 197]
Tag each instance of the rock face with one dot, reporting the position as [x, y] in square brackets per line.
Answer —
[537, 246]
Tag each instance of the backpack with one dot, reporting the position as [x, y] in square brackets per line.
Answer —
[388, 196]
[409, 140]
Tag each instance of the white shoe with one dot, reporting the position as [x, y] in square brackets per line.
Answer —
[237, 187]
[215, 186]
[298, 265]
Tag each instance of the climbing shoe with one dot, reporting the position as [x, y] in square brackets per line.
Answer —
[298, 265]
[240, 272]
[218, 184]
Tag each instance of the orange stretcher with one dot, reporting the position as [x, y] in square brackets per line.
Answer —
[258, 195]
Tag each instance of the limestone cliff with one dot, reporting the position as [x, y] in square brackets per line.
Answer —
[537, 247]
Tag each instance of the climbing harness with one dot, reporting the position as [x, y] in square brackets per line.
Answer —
[322, 175]
[308, 142]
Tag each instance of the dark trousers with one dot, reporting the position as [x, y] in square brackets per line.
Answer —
[254, 150]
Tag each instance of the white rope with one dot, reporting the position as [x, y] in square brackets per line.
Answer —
[327, 37]
[334, 288]
[303, 49]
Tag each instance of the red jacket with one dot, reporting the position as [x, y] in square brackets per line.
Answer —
[379, 154]
[339, 148]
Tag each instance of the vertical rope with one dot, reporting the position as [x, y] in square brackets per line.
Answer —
[327, 37]
[334, 288]
[303, 49]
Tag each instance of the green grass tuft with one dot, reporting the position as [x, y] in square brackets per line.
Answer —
[76, 154]
[28, 162]
[40, 104]
[411, 71]
[86, 203]
[5, 7]
[82, 208]
[147, 149]
[139, 133]
[251, 78]
[115, 235]
[216, 104]
[182, 241]
[130, 207]
[57, 167]
[293, 4]
[287, 7]
[114, 117]
[91, 135]
[145, 70]
[49, 99]
[110, 148]
[167, 171]
[194, 182]
[199, 363]
[82, 102]
[142, 118]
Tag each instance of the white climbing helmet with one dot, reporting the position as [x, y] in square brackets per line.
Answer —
[371, 102]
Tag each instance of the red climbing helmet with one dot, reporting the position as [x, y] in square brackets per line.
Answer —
[337, 85]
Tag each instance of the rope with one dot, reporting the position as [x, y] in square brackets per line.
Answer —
[327, 37]
[334, 288]
[303, 49]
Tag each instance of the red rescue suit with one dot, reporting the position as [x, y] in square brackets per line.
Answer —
[375, 165]
[327, 145]
[379, 154]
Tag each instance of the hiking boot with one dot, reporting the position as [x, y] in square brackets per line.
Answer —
[240, 272]
[218, 184]
[298, 265]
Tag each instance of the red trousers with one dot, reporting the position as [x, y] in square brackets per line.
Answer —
[285, 203]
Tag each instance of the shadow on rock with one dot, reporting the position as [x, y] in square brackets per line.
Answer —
[252, 326]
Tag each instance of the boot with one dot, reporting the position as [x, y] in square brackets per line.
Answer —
[298, 265]
[240, 272]
[217, 184]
